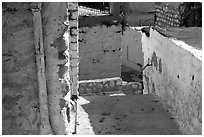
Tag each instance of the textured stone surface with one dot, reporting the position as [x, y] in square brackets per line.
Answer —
[20, 113]
[132, 88]
[109, 86]
[100, 52]
[73, 60]
[175, 76]
[73, 48]
[100, 86]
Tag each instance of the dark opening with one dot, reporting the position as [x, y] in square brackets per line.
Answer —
[193, 77]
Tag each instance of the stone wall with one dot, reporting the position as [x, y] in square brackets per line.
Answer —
[100, 52]
[175, 76]
[132, 49]
[100, 86]
[73, 61]
[167, 15]
[20, 107]
[109, 86]
[73, 49]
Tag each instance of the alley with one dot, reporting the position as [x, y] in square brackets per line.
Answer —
[101, 68]
[124, 115]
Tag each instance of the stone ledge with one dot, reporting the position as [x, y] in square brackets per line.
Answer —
[100, 85]
[132, 88]
[109, 86]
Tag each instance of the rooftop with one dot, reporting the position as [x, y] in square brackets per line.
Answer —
[191, 36]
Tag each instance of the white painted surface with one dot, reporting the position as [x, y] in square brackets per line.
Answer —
[178, 78]
[132, 49]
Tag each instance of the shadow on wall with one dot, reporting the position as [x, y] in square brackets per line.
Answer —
[125, 115]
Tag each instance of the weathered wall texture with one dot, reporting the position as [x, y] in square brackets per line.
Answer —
[176, 77]
[20, 108]
[20, 88]
[132, 49]
[100, 52]
[55, 33]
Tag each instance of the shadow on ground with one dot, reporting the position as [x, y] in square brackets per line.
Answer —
[124, 115]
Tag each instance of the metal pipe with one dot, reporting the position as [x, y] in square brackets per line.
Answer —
[143, 69]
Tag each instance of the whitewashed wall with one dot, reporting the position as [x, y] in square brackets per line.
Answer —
[175, 76]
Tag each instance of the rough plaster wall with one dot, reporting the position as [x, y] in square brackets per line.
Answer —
[56, 40]
[20, 114]
[20, 94]
[132, 49]
[175, 76]
[100, 52]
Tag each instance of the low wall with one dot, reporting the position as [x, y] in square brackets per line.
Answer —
[132, 49]
[132, 88]
[109, 86]
[99, 52]
[100, 86]
[176, 75]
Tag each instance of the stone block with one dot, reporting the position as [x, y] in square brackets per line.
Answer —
[132, 88]
[100, 86]
[73, 23]
[74, 62]
[73, 46]
[74, 39]
[74, 15]
[74, 31]
[73, 54]
[72, 5]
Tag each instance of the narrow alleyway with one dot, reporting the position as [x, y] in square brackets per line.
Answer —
[124, 115]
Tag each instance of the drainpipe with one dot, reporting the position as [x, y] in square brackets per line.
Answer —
[45, 127]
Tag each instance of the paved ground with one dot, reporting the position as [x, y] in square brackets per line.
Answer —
[124, 115]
